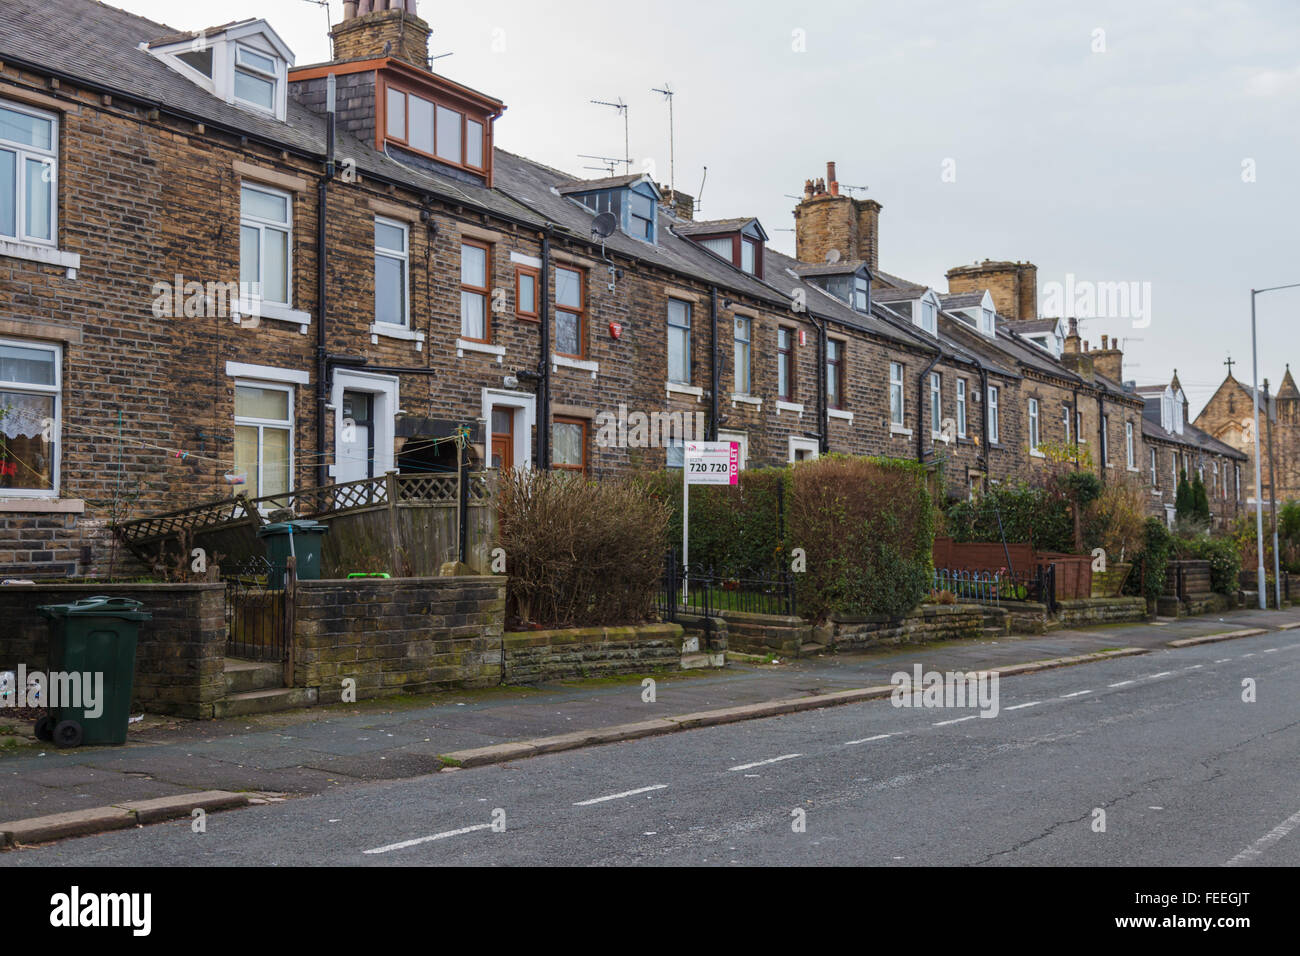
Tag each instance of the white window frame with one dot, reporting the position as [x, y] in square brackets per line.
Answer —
[57, 431]
[1065, 420]
[385, 389]
[683, 332]
[936, 404]
[262, 423]
[238, 66]
[810, 445]
[995, 433]
[49, 159]
[261, 225]
[1155, 467]
[404, 258]
[1034, 435]
[897, 412]
[1130, 450]
[742, 440]
[748, 343]
[961, 408]
[1105, 440]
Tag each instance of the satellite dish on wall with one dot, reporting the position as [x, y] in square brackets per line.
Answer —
[833, 257]
[604, 225]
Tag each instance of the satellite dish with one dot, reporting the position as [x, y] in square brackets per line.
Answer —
[604, 225]
[832, 257]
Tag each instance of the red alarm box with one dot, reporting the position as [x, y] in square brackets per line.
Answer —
[615, 330]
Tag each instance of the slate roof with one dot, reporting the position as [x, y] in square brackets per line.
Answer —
[842, 268]
[961, 300]
[698, 227]
[1192, 436]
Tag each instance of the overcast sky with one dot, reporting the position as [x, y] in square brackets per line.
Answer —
[1108, 140]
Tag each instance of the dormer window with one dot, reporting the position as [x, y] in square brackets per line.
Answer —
[631, 199]
[245, 64]
[256, 78]
[861, 293]
[434, 129]
[929, 316]
[739, 241]
[986, 322]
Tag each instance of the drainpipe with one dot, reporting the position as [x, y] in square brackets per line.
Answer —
[823, 426]
[544, 360]
[713, 363]
[1074, 423]
[1103, 448]
[920, 398]
[322, 371]
[984, 422]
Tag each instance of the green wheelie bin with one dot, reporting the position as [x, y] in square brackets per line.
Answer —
[91, 670]
[302, 539]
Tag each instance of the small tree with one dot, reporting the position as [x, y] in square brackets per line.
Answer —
[1184, 502]
[1200, 500]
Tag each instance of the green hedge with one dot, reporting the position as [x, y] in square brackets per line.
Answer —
[1028, 514]
[866, 527]
[1151, 564]
[1223, 555]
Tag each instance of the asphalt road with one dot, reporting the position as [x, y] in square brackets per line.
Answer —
[1186, 772]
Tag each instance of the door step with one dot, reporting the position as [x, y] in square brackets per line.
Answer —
[242, 675]
[808, 650]
[264, 701]
[697, 661]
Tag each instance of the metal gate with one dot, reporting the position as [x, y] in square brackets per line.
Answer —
[258, 618]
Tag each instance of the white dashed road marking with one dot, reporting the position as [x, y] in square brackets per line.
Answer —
[1123, 683]
[429, 839]
[1077, 693]
[866, 740]
[1032, 703]
[619, 796]
[1256, 849]
[957, 720]
[761, 763]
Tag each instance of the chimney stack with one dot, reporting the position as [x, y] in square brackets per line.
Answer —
[376, 28]
[1109, 359]
[826, 220]
[1013, 285]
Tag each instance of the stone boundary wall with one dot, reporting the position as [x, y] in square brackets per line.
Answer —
[1109, 610]
[931, 622]
[181, 654]
[398, 635]
[534, 656]
[766, 633]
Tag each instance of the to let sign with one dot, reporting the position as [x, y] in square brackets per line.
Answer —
[712, 462]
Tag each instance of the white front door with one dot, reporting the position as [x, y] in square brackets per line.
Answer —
[365, 406]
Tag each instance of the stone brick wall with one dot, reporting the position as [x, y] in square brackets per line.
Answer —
[1104, 610]
[534, 656]
[766, 633]
[927, 623]
[180, 656]
[398, 635]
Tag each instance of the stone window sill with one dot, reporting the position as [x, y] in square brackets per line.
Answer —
[673, 388]
[745, 400]
[390, 331]
[44, 254]
[1035, 453]
[900, 431]
[469, 345]
[839, 413]
[568, 361]
[62, 506]
[789, 407]
[273, 311]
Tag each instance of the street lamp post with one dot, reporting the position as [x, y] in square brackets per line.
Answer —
[1259, 444]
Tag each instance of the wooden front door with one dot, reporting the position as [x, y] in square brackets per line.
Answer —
[503, 438]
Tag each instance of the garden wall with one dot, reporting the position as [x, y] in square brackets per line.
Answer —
[1111, 610]
[533, 656]
[931, 622]
[180, 657]
[398, 635]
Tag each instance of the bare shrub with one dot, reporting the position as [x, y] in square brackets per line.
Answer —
[578, 552]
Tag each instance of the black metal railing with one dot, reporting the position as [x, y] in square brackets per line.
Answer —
[257, 611]
[991, 588]
[708, 592]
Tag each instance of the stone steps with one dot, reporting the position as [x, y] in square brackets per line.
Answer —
[243, 676]
[264, 701]
[808, 650]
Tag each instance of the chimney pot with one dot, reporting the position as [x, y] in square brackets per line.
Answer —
[1104, 343]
